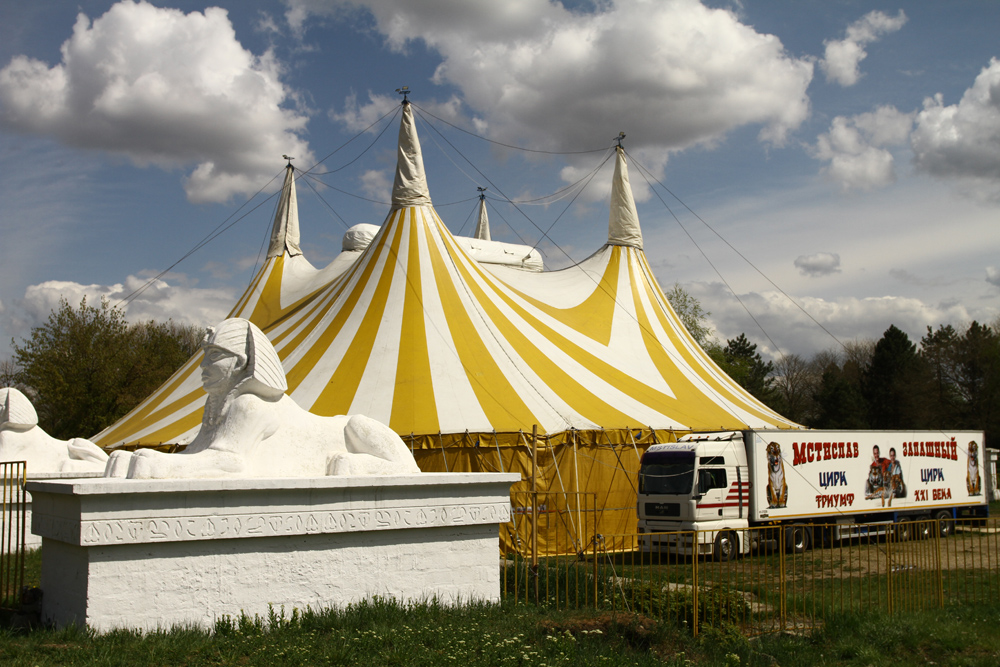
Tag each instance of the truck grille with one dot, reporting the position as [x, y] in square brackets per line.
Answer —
[663, 509]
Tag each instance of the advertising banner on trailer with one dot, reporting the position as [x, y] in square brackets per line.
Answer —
[801, 474]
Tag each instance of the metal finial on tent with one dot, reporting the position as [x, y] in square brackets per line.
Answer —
[404, 91]
[482, 193]
[289, 158]
[621, 135]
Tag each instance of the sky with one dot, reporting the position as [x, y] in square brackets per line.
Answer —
[812, 171]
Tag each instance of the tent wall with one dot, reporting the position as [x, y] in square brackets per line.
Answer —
[602, 464]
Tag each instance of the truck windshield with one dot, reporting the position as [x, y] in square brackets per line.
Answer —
[669, 473]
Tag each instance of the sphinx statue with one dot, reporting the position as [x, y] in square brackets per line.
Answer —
[22, 439]
[252, 428]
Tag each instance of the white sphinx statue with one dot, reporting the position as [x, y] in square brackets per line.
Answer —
[251, 428]
[22, 439]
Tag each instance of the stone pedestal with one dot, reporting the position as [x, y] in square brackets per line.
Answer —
[158, 553]
[32, 541]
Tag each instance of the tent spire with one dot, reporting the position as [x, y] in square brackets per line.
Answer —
[285, 232]
[410, 186]
[623, 223]
[483, 226]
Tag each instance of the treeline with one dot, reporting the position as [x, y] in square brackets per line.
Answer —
[86, 367]
[949, 381]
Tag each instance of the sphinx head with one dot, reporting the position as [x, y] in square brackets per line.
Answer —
[16, 411]
[239, 358]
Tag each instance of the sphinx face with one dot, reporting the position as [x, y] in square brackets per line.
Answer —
[220, 370]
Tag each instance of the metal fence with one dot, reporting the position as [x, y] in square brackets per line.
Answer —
[779, 579]
[13, 527]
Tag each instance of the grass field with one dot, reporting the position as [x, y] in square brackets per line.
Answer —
[385, 633]
[769, 590]
[652, 632]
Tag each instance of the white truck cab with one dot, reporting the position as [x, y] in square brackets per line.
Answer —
[699, 483]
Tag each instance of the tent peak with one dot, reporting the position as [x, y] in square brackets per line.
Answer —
[410, 185]
[285, 231]
[623, 221]
[483, 226]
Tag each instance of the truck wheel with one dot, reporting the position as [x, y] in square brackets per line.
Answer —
[923, 528]
[797, 539]
[945, 522]
[727, 546]
[904, 531]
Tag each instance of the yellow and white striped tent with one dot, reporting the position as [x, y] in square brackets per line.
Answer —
[464, 356]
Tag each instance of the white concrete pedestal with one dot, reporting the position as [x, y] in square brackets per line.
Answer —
[32, 541]
[158, 553]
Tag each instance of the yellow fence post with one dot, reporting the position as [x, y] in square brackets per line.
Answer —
[781, 577]
[695, 584]
[534, 506]
[940, 573]
[888, 566]
[13, 500]
[593, 541]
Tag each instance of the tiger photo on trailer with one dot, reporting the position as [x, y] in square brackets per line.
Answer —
[777, 488]
[972, 480]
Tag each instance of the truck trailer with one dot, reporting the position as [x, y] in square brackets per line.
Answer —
[699, 495]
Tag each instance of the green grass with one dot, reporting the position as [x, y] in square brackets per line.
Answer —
[641, 621]
[377, 632]
[382, 632]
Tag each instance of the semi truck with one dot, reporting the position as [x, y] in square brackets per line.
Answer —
[698, 495]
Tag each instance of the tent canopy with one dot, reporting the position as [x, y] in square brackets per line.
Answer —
[446, 337]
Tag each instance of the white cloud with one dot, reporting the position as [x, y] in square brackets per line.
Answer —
[847, 318]
[959, 141]
[993, 276]
[163, 88]
[357, 117]
[174, 300]
[670, 74]
[377, 185]
[818, 264]
[963, 140]
[856, 150]
[843, 56]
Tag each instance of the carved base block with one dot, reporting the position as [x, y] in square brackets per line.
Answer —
[32, 541]
[154, 554]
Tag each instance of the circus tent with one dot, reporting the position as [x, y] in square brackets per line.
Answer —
[463, 346]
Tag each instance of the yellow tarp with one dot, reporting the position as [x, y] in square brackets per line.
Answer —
[585, 481]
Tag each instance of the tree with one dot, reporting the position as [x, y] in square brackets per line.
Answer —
[939, 351]
[743, 363]
[9, 373]
[86, 367]
[796, 382]
[691, 314]
[837, 398]
[977, 379]
[894, 384]
[839, 403]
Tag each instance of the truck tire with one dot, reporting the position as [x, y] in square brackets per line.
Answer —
[923, 528]
[904, 531]
[727, 546]
[946, 523]
[797, 539]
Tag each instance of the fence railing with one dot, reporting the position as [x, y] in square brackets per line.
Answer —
[774, 578]
[13, 528]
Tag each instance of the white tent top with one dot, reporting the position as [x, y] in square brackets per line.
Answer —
[436, 334]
